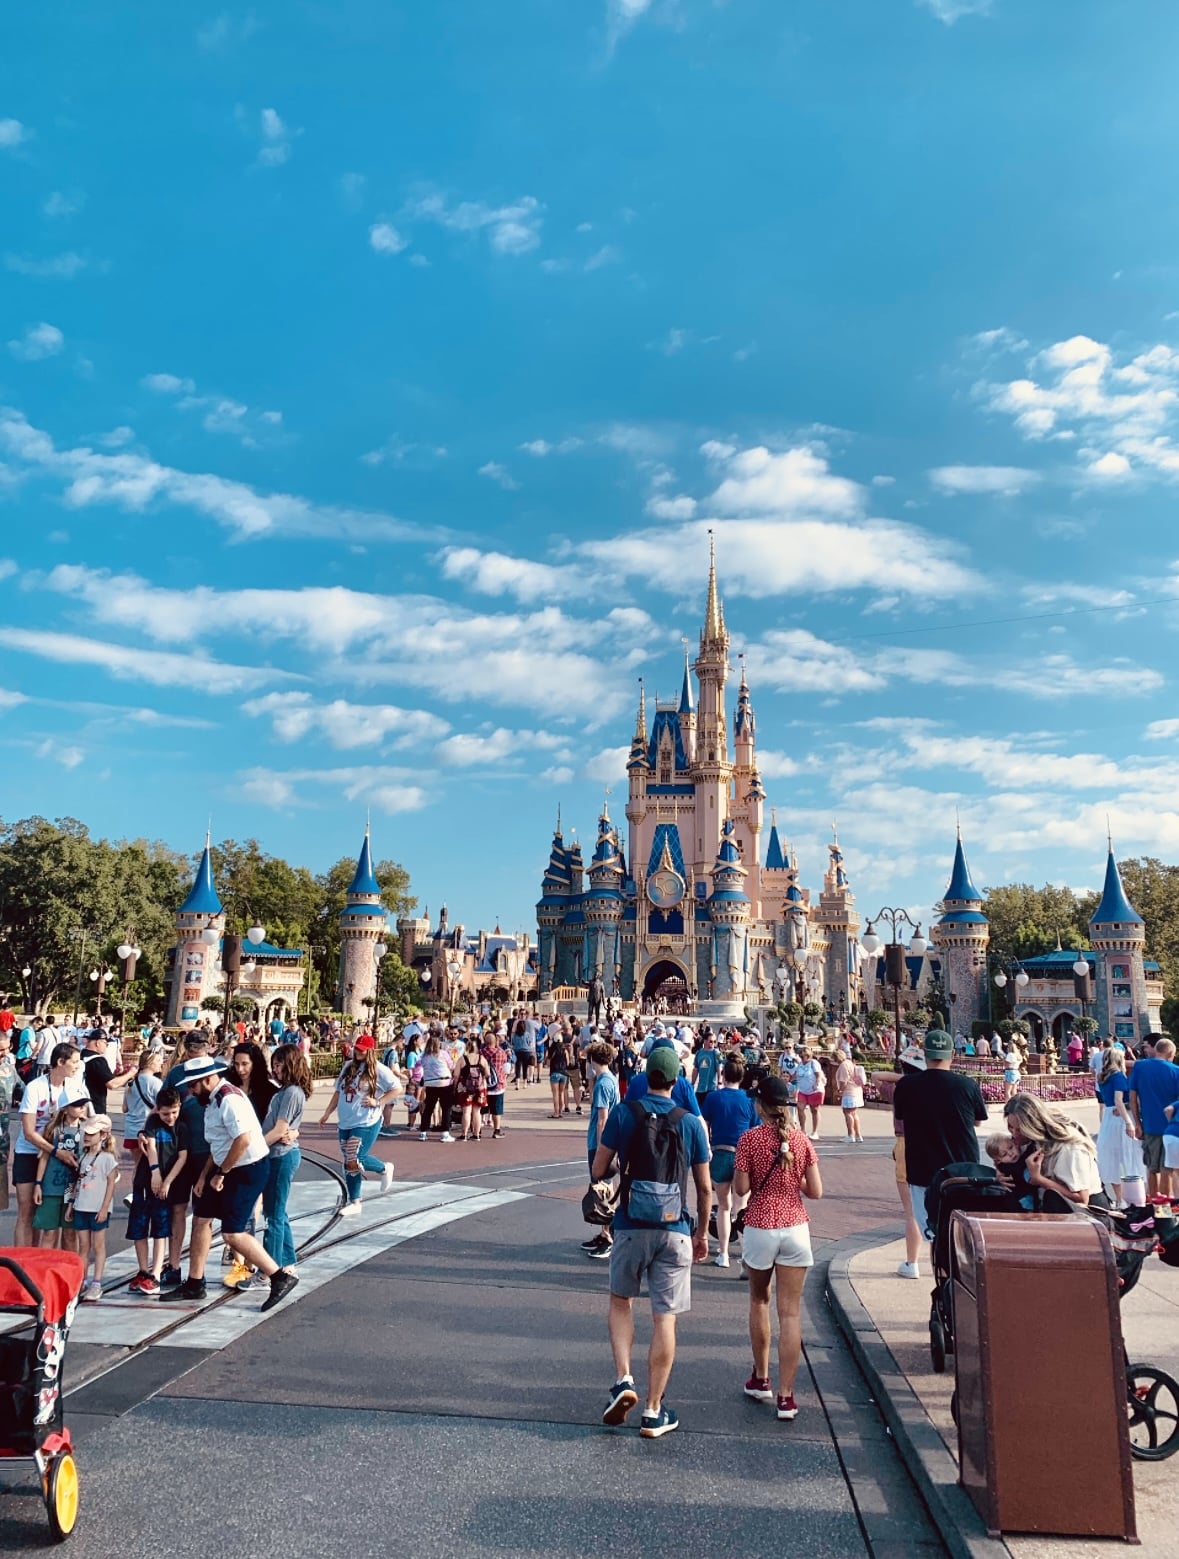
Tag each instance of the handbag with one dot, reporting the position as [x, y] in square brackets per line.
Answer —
[600, 1202]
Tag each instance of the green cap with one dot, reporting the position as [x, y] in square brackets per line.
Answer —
[663, 1065]
[938, 1046]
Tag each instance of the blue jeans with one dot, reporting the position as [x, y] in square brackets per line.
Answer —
[279, 1242]
[365, 1136]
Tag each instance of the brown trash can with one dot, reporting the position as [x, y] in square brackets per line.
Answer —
[1043, 1432]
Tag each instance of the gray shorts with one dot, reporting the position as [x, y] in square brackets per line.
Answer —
[1152, 1152]
[664, 1259]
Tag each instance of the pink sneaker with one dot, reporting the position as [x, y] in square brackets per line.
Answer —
[787, 1407]
[758, 1387]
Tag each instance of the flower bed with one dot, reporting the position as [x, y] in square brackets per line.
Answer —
[1052, 1087]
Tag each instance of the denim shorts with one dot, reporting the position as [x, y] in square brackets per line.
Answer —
[234, 1203]
[558, 1077]
[150, 1217]
[724, 1164]
[91, 1221]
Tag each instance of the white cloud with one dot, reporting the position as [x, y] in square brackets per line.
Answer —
[13, 133]
[1111, 464]
[384, 788]
[674, 341]
[161, 668]
[38, 341]
[794, 659]
[167, 384]
[678, 508]
[495, 573]
[59, 204]
[268, 788]
[295, 715]
[1162, 730]
[1007, 481]
[1003, 339]
[134, 482]
[68, 756]
[950, 11]
[512, 229]
[621, 16]
[540, 447]
[1084, 595]
[606, 255]
[500, 475]
[117, 438]
[608, 766]
[385, 238]
[467, 750]
[224, 30]
[7, 568]
[276, 139]
[58, 267]
[776, 765]
[795, 481]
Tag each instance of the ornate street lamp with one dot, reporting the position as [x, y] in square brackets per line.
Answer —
[378, 954]
[894, 956]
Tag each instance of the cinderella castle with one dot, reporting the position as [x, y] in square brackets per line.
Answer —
[696, 904]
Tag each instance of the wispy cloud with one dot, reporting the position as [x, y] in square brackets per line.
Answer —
[466, 750]
[37, 342]
[160, 668]
[343, 725]
[275, 137]
[167, 384]
[134, 482]
[385, 239]
[495, 573]
[500, 475]
[390, 790]
[1004, 481]
[621, 16]
[511, 229]
[224, 31]
[58, 267]
[13, 134]
[951, 11]
[59, 204]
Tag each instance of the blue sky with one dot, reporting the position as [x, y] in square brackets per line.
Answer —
[373, 373]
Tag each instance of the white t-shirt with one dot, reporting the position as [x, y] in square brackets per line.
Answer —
[1013, 1061]
[1074, 1166]
[810, 1077]
[354, 1108]
[49, 1039]
[228, 1116]
[42, 1099]
[93, 1173]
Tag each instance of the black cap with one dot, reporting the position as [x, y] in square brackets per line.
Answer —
[773, 1091]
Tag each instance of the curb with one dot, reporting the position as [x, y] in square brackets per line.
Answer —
[921, 1447]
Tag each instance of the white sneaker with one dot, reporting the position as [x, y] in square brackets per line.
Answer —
[423, 1136]
[350, 1210]
[387, 1178]
[446, 1137]
[908, 1269]
[722, 1260]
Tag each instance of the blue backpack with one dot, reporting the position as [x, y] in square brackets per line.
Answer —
[655, 1171]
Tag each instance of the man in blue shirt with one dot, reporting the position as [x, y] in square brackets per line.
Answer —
[663, 1255]
[1154, 1083]
[706, 1069]
[682, 1092]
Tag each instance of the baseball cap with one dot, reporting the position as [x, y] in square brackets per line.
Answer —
[773, 1091]
[664, 1064]
[365, 1042]
[97, 1126]
[938, 1045]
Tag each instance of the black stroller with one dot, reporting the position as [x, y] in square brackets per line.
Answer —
[963, 1188]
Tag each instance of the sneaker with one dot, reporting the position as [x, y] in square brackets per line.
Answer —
[254, 1281]
[387, 1178]
[423, 1136]
[350, 1210]
[191, 1291]
[654, 1425]
[623, 1397]
[128, 1200]
[446, 1137]
[721, 1260]
[92, 1293]
[387, 1132]
[136, 1284]
[280, 1286]
[601, 1252]
[758, 1387]
[170, 1277]
[149, 1285]
[238, 1273]
[908, 1269]
[497, 1133]
[593, 1242]
[787, 1407]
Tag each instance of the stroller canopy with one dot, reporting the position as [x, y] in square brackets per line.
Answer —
[57, 1274]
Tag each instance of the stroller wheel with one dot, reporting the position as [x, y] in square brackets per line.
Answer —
[1154, 1412]
[937, 1345]
[61, 1495]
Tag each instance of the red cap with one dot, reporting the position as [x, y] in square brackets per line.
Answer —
[365, 1042]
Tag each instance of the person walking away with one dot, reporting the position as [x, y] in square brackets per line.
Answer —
[437, 1088]
[499, 1062]
[359, 1097]
[850, 1080]
[280, 1132]
[911, 1060]
[43, 1097]
[603, 1097]
[559, 1065]
[776, 1167]
[197, 1045]
[1118, 1152]
[57, 1175]
[229, 1184]
[682, 1092]
[524, 1049]
[656, 1144]
[1012, 1068]
[937, 1111]
[98, 1175]
[812, 1086]
[164, 1152]
[472, 1091]
[1154, 1084]
[706, 1069]
[729, 1112]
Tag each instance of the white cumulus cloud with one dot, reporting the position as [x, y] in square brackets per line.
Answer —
[1007, 481]
[385, 239]
[38, 341]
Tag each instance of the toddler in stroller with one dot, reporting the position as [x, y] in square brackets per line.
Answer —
[967, 1188]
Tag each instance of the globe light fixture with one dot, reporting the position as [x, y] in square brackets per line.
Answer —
[425, 977]
[1081, 967]
[379, 951]
[1021, 979]
[256, 935]
[918, 945]
[1000, 979]
[210, 936]
[125, 950]
[249, 966]
[870, 942]
[25, 973]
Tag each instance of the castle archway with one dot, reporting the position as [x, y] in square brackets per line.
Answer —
[666, 980]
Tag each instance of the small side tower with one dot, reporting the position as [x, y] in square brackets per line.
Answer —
[1118, 934]
[364, 921]
[603, 907]
[729, 912]
[551, 911]
[961, 936]
[196, 967]
[837, 915]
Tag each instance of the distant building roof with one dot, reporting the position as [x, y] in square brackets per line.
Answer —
[1115, 908]
[364, 883]
[961, 888]
[202, 896]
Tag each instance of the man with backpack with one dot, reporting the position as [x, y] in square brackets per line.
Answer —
[656, 1143]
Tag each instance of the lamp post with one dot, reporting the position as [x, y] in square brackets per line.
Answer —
[1012, 971]
[98, 978]
[231, 965]
[894, 956]
[425, 977]
[378, 954]
[454, 973]
[128, 958]
[28, 991]
[1081, 982]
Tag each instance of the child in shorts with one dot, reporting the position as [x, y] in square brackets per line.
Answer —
[1004, 1153]
[98, 1175]
[54, 1191]
[163, 1146]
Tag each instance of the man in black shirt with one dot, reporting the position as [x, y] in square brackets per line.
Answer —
[97, 1069]
[936, 1112]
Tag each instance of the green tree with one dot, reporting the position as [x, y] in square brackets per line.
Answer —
[1025, 921]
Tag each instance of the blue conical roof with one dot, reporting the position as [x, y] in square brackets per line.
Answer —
[364, 883]
[775, 860]
[961, 886]
[202, 896]
[1115, 908]
[686, 705]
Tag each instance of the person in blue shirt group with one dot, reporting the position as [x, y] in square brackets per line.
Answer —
[728, 1111]
[706, 1068]
[659, 1256]
[1154, 1084]
[682, 1092]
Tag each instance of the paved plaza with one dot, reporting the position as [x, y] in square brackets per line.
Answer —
[437, 1380]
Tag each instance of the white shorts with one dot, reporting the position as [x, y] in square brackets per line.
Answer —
[762, 1249]
[1170, 1152]
[852, 1101]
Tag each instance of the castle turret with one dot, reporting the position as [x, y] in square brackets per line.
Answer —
[603, 907]
[196, 969]
[711, 769]
[1118, 936]
[961, 936]
[364, 922]
[687, 712]
[729, 912]
[837, 915]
